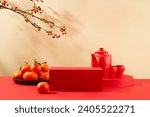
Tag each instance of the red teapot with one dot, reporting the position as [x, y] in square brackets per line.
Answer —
[101, 58]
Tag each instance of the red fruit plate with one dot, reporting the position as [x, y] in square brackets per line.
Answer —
[28, 82]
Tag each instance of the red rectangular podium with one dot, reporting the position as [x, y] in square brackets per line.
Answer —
[75, 79]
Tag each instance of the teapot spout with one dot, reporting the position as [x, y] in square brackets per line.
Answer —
[95, 60]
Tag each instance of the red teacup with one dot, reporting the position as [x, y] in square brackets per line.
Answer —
[120, 70]
[113, 72]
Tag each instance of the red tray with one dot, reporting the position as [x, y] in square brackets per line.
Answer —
[125, 81]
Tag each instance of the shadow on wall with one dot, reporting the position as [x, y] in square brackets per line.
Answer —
[70, 21]
[3, 69]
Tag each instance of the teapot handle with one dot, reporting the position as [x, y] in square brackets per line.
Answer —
[95, 60]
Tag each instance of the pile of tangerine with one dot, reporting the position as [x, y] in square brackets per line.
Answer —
[34, 72]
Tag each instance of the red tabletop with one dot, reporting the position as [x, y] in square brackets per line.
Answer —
[11, 91]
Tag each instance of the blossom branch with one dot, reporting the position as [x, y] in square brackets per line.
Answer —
[32, 12]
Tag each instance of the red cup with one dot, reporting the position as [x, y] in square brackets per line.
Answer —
[113, 72]
[107, 72]
[120, 70]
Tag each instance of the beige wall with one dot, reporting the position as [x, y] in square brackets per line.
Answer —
[120, 26]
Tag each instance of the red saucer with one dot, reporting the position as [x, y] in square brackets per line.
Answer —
[125, 81]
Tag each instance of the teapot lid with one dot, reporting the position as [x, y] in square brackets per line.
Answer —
[101, 51]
